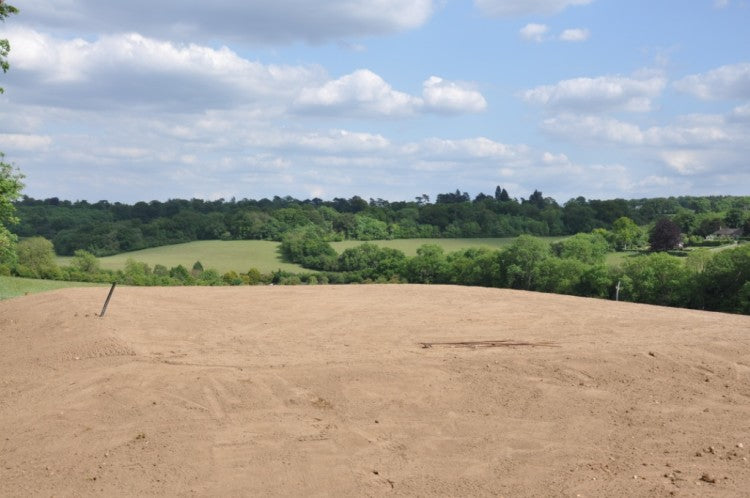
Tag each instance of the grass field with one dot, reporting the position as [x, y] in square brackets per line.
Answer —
[241, 255]
[15, 286]
[221, 255]
[618, 258]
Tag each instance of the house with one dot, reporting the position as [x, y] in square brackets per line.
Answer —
[730, 233]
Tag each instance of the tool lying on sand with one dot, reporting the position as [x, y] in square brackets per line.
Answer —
[488, 344]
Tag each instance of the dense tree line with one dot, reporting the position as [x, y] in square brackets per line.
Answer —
[105, 228]
[702, 280]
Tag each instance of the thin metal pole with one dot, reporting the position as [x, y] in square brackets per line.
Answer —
[109, 296]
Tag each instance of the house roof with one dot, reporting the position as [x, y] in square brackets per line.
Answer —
[728, 232]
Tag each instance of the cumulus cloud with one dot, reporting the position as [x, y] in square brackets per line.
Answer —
[509, 8]
[599, 94]
[359, 92]
[131, 69]
[725, 82]
[593, 128]
[476, 148]
[365, 93]
[451, 96]
[534, 32]
[268, 21]
[575, 35]
[340, 141]
[689, 131]
[539, 33]
[699, 146]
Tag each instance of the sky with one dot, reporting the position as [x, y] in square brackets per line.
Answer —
[390, 99]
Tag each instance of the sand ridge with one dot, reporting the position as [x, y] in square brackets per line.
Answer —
[330, 391]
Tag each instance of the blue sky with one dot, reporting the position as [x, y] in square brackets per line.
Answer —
[381, 98]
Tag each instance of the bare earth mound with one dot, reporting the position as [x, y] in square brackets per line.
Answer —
[297, 391]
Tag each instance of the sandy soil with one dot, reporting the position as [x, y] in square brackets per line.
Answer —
[313, 391]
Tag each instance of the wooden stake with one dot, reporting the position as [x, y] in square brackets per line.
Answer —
[109, 296]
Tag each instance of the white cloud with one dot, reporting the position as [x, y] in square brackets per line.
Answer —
[451, 96]
[508, 8]
[720, 4]
[534, 32]
[575, 35]
[131, 69]
[688, 131]
[702, 147]
[593, 128]
[726, 82]
[741, 113]
[365, 93]
[475, 148]
[359, 92]
[267, 21]
[341, 141]
[26, 142]
[684, 161]
[599, 94]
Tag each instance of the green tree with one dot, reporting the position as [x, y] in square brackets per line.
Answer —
[10, 190]
[36, 258]
[585, 247]
[658, 278]
[686, 219]
[429, 266]
[559, 275]
[626, 234]
[137, 272]
[725, 280]
[367, 228]
[519, 261]
[579, 216]
[252, 277]
[708, 225]
[308, 247]
[181, 274]
[5, 11]
[85, 262]
[734, 218]
[475, 266]
[372, 262]
[197, 270]
[10, 181]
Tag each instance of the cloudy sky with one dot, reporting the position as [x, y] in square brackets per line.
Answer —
[388, 99]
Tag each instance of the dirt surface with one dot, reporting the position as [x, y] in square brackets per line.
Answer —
[343, 390]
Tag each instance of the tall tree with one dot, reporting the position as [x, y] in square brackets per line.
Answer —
[626, 233]
[10, 179]
[501, 194]
[5, 11]
[665, 235]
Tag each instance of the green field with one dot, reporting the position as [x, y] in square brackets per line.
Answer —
[241, 255]
[15, 286]
[221, 255]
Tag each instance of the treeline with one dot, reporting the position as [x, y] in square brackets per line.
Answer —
[717, 281]
[105, 228]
